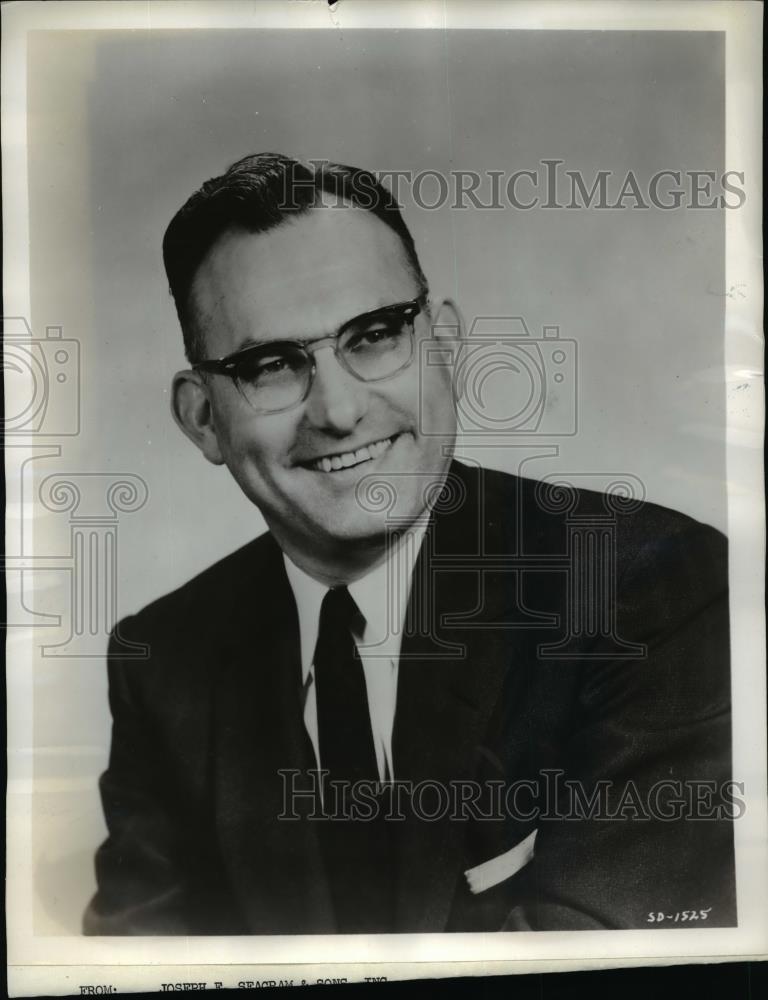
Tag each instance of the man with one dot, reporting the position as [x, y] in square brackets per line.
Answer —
[407, 625]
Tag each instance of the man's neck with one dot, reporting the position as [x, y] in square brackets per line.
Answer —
[338, 568]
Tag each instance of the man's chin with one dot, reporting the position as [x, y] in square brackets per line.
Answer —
[357, 528]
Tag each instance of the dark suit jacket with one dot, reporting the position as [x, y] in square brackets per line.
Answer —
[516, 668]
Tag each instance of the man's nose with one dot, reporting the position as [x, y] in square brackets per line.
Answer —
[337, 400]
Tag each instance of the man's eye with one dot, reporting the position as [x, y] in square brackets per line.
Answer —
[374, 337]
[273, 365]
[266, 367]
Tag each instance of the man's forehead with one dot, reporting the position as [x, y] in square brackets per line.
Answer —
[308, 275]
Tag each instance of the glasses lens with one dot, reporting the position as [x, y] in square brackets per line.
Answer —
[381, 345]
[273, 377]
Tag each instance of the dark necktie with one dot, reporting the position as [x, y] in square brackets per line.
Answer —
[357, 851]
[343, 721]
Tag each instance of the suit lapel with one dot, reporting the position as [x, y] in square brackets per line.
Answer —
[274, 863]
[450, 677]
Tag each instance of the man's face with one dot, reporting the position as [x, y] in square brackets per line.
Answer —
[302, 281]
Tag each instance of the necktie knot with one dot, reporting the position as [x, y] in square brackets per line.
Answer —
[339, 610]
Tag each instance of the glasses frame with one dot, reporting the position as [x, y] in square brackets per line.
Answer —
[229, 364]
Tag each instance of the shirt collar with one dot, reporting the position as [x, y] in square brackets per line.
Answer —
[381, 595]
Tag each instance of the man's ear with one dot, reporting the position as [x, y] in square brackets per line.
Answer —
[448, 321]
[191, 409]
[448, 331]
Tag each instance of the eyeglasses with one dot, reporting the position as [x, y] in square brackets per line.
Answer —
[278, 375]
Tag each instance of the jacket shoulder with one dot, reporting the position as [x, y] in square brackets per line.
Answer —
[556, 499]
[208, 596]
[521, 514]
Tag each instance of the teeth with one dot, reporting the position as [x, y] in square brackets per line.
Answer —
[350, 458]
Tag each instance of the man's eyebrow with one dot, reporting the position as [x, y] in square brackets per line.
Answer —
[371, 313]
[361, 317]
[250, 343]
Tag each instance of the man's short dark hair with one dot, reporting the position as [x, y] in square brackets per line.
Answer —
[259, 193]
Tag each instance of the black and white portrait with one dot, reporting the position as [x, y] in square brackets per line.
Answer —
[382, 574]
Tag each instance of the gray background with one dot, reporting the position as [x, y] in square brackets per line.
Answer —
[124, 125]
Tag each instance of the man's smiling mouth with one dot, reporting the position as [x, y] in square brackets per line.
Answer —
[348, 459]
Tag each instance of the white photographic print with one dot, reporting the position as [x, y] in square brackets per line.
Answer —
[384, 533]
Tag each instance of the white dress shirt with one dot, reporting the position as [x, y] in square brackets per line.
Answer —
[382, 597]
